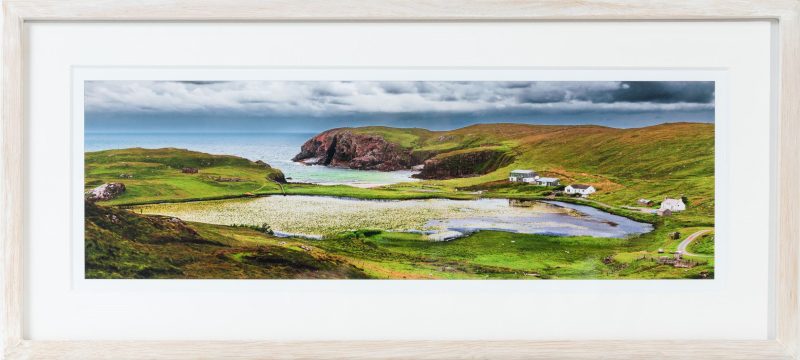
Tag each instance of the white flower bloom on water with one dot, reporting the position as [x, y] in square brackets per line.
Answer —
[442, 219]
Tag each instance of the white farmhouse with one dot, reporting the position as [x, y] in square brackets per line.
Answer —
[547, 181]
[673, 205]
[527, 176]
[579, 189]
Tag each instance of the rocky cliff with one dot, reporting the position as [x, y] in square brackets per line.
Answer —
[470, 162]
[343, 148]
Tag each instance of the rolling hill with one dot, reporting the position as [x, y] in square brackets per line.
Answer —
[156, 174]
[122, 244]
[666, 160]
[666, 150]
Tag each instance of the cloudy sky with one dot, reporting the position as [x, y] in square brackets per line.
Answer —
[311, 106]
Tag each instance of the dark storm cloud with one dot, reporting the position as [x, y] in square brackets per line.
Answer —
[699, 92]
[517, 84]
[660, 92]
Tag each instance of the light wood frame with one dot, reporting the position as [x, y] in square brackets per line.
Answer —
[786, 14]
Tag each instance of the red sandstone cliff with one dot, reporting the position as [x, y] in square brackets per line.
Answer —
[343, 148]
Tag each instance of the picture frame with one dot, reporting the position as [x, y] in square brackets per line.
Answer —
[784, 13]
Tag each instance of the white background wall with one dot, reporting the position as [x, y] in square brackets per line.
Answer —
[733, 306]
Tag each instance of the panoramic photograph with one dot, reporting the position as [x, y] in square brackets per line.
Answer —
[525, 180]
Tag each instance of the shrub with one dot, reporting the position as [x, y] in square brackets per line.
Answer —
[368, 232]
[264, 228]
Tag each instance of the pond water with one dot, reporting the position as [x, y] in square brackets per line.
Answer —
[276, 149]
[440, 219]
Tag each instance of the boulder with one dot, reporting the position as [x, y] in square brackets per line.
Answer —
[105, 192]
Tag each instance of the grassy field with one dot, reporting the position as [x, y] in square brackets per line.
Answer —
[704, 245]
[122, 244]
[623, 164]
[156, 175]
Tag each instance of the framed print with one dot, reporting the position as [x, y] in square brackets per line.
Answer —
[326, 179]
[394, 180]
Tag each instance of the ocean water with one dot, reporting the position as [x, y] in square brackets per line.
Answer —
[276, 149]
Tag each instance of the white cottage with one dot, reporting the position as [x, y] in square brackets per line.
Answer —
[527, 176]
[579, 189]
[673, 205]
[547, 181]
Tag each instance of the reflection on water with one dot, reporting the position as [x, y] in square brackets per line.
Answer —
[539, 217]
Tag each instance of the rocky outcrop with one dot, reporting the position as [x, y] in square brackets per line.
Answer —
[464, 163]
[272, 173]
[276, 176]
[105, 192]
[343, 148]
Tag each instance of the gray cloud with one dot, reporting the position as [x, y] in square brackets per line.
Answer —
[201, 82]
[334, 98]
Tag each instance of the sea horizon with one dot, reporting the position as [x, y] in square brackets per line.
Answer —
[315, 130]
[276, 149]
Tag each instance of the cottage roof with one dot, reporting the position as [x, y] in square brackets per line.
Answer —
[523, 172]
[547, 179]
[580, 186]
[668, 201]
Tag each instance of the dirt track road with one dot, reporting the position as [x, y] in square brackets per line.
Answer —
[685, 243]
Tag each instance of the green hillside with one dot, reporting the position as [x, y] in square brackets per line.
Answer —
[155, 174]
[667, 160]
[122, 244]
[675, 150]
